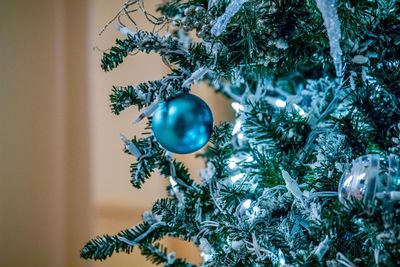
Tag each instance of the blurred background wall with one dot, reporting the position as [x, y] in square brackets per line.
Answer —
[63, 176]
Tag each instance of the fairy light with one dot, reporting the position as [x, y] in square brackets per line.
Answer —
[246, 204]
[237, 107]
[243, 157]
[237, 127]
[232, 164]
[130, 146]
[240, 136]
[281, 258]
[206, 257]
[299, 110]
[249, 158]
[280, 103]
[256, 209]
[172, 181]
[237, 177]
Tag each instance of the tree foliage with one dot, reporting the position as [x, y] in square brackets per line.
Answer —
[267, 195]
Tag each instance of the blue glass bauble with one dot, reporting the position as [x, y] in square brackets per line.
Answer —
[182, 124]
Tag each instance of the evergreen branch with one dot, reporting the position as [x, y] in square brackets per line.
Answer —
[355, 225]
[147, 163]
[179, 215]
[158, 254]
[103, 247]
[165, 207]
[180, 172]
[267, 170]
[125, 241]
[167, 46]
[144, 94]
[220, 149]
[154, 157]
[277, 130]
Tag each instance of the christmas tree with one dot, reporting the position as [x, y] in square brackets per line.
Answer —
[309, 173]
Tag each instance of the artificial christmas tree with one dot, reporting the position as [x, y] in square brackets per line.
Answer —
[316, 85]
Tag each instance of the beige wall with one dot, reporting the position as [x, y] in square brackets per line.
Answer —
[44, 186]
[63, 176]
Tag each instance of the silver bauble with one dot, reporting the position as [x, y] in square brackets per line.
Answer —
[371, 177]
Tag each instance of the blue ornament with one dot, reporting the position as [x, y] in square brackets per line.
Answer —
[182, 124]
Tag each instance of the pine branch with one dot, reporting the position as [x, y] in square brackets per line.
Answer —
[148, 162]
[158, 254]
[154, 157]
[103, 247]
[144, 94]
[180, 172]
[125, 241]
[167, 46]
[277, 130]
[221, 148]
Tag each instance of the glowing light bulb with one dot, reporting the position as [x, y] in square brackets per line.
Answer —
[256, 209]
[237, 127]
[237, 177]
[280, 103]
[237, 107]
[246, 204]
[299, 110]
[249, 158]
[240, 136]
[232, 162]
[281, 258]
[232, 165]
[206, 257]
[172, 181]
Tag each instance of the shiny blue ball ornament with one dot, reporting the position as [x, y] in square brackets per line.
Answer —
[182, 124]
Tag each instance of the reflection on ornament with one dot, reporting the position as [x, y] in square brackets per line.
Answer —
[371, 177]
[182, 124]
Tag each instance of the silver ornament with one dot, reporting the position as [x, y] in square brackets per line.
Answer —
[371, 177]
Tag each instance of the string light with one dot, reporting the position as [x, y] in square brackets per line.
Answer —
[237, 107]
[234, 160]
[206, 257]
[172, 181]
[299, 110]
[249, 158]
[281, 258]
[256, 209]
[280, 103]
[246, 204]
[237, 127]
[232, 164]
[237, 177]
